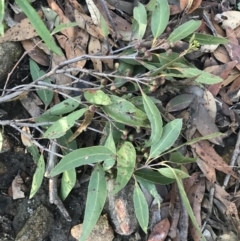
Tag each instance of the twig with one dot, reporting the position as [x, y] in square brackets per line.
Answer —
[233, 160]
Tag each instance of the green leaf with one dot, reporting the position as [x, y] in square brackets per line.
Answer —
[2, 10]
[184, 30]
[170, 134]
[96, 197]
[187, 204]
[63, 107]
[168, 172]
[125, 112]
[39, 25]
[60, 127]
[151, 5]
[126, 159]
[83, 156]
[208, 39]
[151, 188]
[38, 176]
[69, 177]
[177, 157]
[153, 176]
[63, 26]
[1, 140]
[141, 208]
[104, 26]
[97, 97]
[33, 150]
[45, 95]
[155, 120]
[203, 77]
[140, 15]
[160, 18]
[109, 143]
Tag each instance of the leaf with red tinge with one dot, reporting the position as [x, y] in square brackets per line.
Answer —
[160, 231]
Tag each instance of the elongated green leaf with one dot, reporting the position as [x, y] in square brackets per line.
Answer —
[151, 188]
[2, 7]
[141, 208]
[170, 134]
[160, 18]
[125, 112]
[126, 159]
[38, 25]
[45, 95]
[140, 15]
[83, 156]
[208, 39]
[96, 197]
[63, 26]
[69, 177]
[37, 177]
[33, 150]
[63, 107]
[97, 97]
[201, 76]
[109, 143]
[184, 30]
[151, 5]
[153, 176]
[155, 120]
[177, 157]
[187, 205]
[60, 127]
[168, 172]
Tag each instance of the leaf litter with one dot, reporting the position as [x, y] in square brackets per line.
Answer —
[219, 80]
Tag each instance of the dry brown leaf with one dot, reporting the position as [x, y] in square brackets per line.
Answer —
[26, 140]
[88, 116]
[109, 63]
[160, 231]
[94, 12]
[21, 31]
[81, 40]
[208, 171]
[195, 4]
[76, 6]
[94, 47]
[37, 54]
[122, 5]
[206, 152]
[221, 55]
[16, 188]
[174, 9]
[189, 182]
[210, 104]
[195, 196]
[70, 31]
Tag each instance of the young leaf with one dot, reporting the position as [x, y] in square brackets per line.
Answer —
[140, 15]
[97, 97]
[2, 8]
[125, 112]
[208, 39]
[69, 177]
[160, 18]
[60, 127]
[63, 26]
[141, 208]
[83, 156]
[168, 172]
[39, 25]
[153, 176]
[201, 76]
[126, 159]
[155, 120]
[184, 30]
[170, 134]
[96, 197]
[38, 176]
[63, 107]
[177, 157]
[45, 95]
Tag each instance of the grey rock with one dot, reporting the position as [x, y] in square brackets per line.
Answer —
[37, 226]
[120, 209]
[10, 52]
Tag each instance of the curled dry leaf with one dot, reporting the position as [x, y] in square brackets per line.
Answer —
[37, 54]
[209, 155]
[160, 231]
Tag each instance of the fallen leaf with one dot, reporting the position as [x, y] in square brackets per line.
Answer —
[94, 12]
[229, 19]
[94, 47]
[160, 231]
[16, 188]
